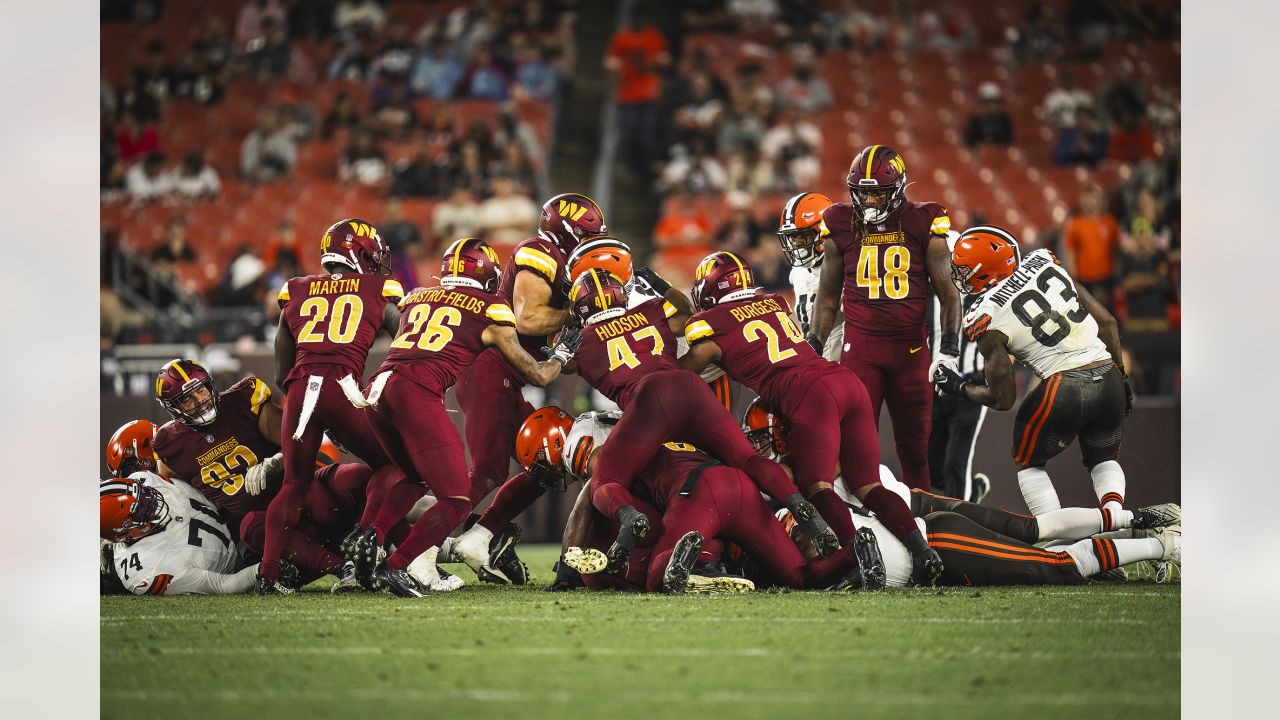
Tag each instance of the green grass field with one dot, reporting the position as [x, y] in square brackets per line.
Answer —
[519, 653]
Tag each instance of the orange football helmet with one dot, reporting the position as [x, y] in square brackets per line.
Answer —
[129, 449]
[540, 445]
[601, 253]
[129, 510]
[800, 229]
[983, 256]
[766, 430]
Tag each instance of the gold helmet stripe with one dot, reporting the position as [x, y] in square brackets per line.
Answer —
[871, 156]
[602, 300]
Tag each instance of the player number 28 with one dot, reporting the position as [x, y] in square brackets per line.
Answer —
[757, 329]
[436, 335]
[897, 261]
[342, 326]
[620, 352]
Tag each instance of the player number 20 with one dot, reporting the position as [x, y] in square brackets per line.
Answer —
[757, 329]
[897, 261]
[620, 352]
[347, 310]
[438, 330]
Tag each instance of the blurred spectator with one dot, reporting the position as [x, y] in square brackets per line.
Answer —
[175, 248]
[147, 179]
[470, 170]
[635, 55]
[684, 223]
[437, 72]
[214, 45]
[1089, 245]
[1131, 140]
[741, 230]
[853, 27]
[296, 115]
[805, 89]
[271, 56]
[1142, 279]
[269, 152]
[404, 240]
[743, 127]
[350, 61]
[991, 124]
[951, 30]
[342, 116]
[355, 17]
[242, 284]
[752, 173]
[749, 80]
[486, 78]
[284, 240]
[1062, 102]
[516, 165]
[535, 77]
[251, 22]
[701, 110]
[394, 59]
[135, 139]
[198, 81]
[394, 118]
[696, 171]
[1084, 143]
[155, 77]
[137, 102]
[195, 179]
[418, 175]
[1123, 95]
[283, 267]
[753, 16]
[363, 162]
[106, 98]
[1039, 38]
[507, 217]
[1090, 22]
[794, 143]
[458, 216]
[512, 129]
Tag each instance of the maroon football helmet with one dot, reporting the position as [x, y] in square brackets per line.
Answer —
[722, 277]
[357, 245]
[597, 296]
[568, 219]
[877, 183]
[185, 389]
[470, 262]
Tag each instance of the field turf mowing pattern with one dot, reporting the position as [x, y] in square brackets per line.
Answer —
[485, 651]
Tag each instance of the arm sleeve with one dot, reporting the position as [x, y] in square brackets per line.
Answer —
[206, 582]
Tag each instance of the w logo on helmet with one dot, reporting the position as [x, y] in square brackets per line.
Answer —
[363, 229]
[573, 211]
[898, 164]
[706, 266]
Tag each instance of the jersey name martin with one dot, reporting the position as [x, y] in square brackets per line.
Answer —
[1023, 275]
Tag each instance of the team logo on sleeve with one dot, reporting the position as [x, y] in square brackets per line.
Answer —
[978, 327]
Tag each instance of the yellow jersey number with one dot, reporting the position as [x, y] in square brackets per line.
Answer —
[219, 473]
[345, 320]
[620, 352]
[897, 261]
[438, 330]
[757, 329]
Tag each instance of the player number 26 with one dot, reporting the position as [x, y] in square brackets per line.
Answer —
[757, 329]
[343, 324]
[897, 261]
[437, 333]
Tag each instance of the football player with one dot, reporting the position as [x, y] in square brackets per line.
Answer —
[1029, 308]
[535, 286]
[328, 322]
[129, 449]
[442, 330]
[889, 251]
[800, 233]
[227, 445]
[699, 499]
[628, 354]
[984, 546]
[752, 336]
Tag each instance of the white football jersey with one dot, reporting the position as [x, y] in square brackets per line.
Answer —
[589, 432]
[804, 281]
[897, 559]
[177, 559]
[1037, 309]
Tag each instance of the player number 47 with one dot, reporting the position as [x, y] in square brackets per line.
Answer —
[620, 352]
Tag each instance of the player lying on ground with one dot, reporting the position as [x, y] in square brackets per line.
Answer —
[628, 354]
[749, 333]
[985, 546]
[442, 330]
[699, 499]
[1031, 309]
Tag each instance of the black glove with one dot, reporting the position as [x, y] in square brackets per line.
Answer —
[567, 344]
[926, 567]
[950, 344]
[634, 525]
[813, 342]
[948, 381]
[1128, 394]
[653, 280]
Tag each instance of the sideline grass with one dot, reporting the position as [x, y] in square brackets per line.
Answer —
[521, 653]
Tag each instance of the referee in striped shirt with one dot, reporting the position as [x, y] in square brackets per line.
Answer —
[957, 421]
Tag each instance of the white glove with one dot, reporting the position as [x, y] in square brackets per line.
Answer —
[255, 481]
[943, 360]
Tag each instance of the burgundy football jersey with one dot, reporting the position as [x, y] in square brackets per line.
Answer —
[547, 262]
[618, 353]
[334, 318]
[885, 270]
[214, 458]
[440, 331]
[665, 475]
[761, 346]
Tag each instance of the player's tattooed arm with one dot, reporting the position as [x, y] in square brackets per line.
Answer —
[830, 283]
[938, 259]
[1108, 328]
[504, 338]
[391, 319]
[269, 422]
[531, 302]
[700, 355]
[286, 351]
[999, 391]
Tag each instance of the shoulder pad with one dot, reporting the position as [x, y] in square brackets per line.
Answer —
[392, 290]
[540, 257]
[500, 313]
[283, 296]
[698, 329]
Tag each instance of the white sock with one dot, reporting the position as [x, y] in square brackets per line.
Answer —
[446, 553]
[1131, 551]
[1070, 523]
[424, 504]
[423, 567]
[1108, 485]
[1038, 492]
[1096, 554]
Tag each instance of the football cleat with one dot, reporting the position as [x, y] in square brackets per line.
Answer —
[266, 586]
[1117, 574]
[852, 580]
[399, 582]
[1165, 572]
[348, 547]
[445, 581]
[503, 558]
[926, 567]
[867, 549]
[633, 525]
[472, 548]
[718, 584]
[820, 534]
[347, 583]
[587, 561]
[1171, 540]
[683, 556]
[1157, 516]
[981, 485]
[368, 554]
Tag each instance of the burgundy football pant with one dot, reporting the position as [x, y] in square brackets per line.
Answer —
[417, 434]
[634, 575]
[724, 502]
[831, 421]
[350, 427]
[676, 405]
[896, 372]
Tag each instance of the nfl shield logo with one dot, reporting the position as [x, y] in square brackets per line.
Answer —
[208, 438]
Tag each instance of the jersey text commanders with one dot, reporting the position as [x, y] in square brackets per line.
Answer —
[216, 453]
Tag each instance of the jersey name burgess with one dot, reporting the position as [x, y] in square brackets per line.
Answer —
[1018, 279]
[756, 309]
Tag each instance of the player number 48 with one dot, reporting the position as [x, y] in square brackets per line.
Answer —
[897, 261]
